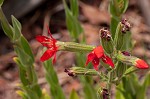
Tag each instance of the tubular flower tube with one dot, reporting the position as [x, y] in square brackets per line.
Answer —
[96, 55]
[50, 43]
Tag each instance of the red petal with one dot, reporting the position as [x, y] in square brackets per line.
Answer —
[42, 38]
[95, 63]
[108, 60]
[45, 41]
[90, 57]
[141, 64]
[49, 32]
[99, 51]
[47, 54]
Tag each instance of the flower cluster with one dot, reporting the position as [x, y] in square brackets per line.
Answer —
[95, 56]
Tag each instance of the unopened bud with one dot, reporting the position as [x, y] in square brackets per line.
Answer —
[125, 25]
[105, 34]
[131, 60]
[106, 40]
[69, 72]
[81, 71]
[103, 93]
[121, 37]
[126, 53]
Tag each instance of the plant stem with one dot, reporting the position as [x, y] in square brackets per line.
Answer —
[109, 83]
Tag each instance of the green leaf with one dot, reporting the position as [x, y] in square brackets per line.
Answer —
[147, 79]
[89, 92]
[131, 85]
[17, 28]
[118, 40]
[36, 88]
[26, 48]
[87, 82]
[52, 79]
[141, 93]
[124, 4]
[74, 95]
[31, 94]
[130, 70]
[74, 7]
[22, 72]
[72, 22]
[118, 7]
[112, 9]
[1, 2]
[5, 25]
[45, 95]
[22, 94]
[113, 26]
[24, 58]
[119, 92]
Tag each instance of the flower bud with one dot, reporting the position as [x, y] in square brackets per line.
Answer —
[122, 38]
[131, 60]
[126, 53]
[125, 25]
[81, 71]
[103, 93]
[70, 73]
[139, 63]
[106, 40]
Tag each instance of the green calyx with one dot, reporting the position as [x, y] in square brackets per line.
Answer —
[74, 47]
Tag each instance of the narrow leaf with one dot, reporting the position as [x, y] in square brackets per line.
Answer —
[74, 95]
[26, 48]
[5, 25]
[17, 29]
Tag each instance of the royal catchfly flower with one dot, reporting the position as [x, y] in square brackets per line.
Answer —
[96, 55]
[50, 43]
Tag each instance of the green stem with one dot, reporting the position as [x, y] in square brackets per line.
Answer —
[109, 83]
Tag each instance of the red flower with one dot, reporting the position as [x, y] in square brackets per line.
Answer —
[139, 63]
[96, 55]
[50, 43]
